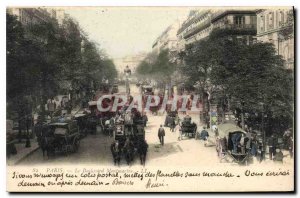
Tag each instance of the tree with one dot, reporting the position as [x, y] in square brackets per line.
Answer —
[43, 58]
[15, 70]
[158, 67]
[235, 73]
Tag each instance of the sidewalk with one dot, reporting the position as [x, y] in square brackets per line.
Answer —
[22, 152]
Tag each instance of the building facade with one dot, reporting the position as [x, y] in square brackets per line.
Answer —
[132, 61]
[167, 40]
[31, 16]
[196, 27]
[200, 23]
[277, 27]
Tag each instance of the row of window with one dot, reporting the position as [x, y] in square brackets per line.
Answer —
[272, 19]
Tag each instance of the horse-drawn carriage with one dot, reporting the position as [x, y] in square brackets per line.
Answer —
[149, 98]
[129, 125]
[188, 128]
[58, 136]
[228, 144]
[98, 118]
[170, 118]
[115, 88]
[147, 90]
[129, 136]
[66, 136]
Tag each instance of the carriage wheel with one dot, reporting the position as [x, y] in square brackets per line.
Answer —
[76, 144]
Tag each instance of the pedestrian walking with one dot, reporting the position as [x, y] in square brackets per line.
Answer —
[204, 136]
[286, 135]
[177, 119]
[272, 146]
[290, 145]
[253, 145]
[161, 134]
[145, 119]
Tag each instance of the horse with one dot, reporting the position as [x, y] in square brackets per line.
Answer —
[45, 140]
[142, 150]
[128, 151]
[47, 146]
[116, 152]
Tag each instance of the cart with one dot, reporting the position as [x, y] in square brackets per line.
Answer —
[228, 135]
[66, 136]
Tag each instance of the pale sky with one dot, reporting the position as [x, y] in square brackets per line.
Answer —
[126, 30]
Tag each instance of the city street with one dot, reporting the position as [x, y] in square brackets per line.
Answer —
[95, 149]
[158, 99]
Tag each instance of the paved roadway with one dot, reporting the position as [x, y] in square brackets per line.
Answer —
[95, 149]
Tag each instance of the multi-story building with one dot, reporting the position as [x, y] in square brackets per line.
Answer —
[30, 16]
[243, 22]
[167, 40]
[196, 27]
[200, 23]
[276, 26]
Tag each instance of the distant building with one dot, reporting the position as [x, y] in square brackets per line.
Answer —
[200, 23]
[167, 40]
[132, 61]
[276, 26]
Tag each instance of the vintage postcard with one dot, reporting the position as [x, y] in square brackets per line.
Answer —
[150, 99]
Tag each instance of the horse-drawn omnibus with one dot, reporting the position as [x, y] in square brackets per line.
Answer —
[129, 132]
[228, 146]
[66, 136]
[188, 128]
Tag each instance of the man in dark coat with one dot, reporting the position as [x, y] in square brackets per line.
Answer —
[236, 138]
[204, 136]
[145, 119]
[161, 134]
[272, 146]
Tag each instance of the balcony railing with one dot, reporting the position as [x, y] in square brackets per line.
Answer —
[221, 13]
[196, 29]
[238, 26]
